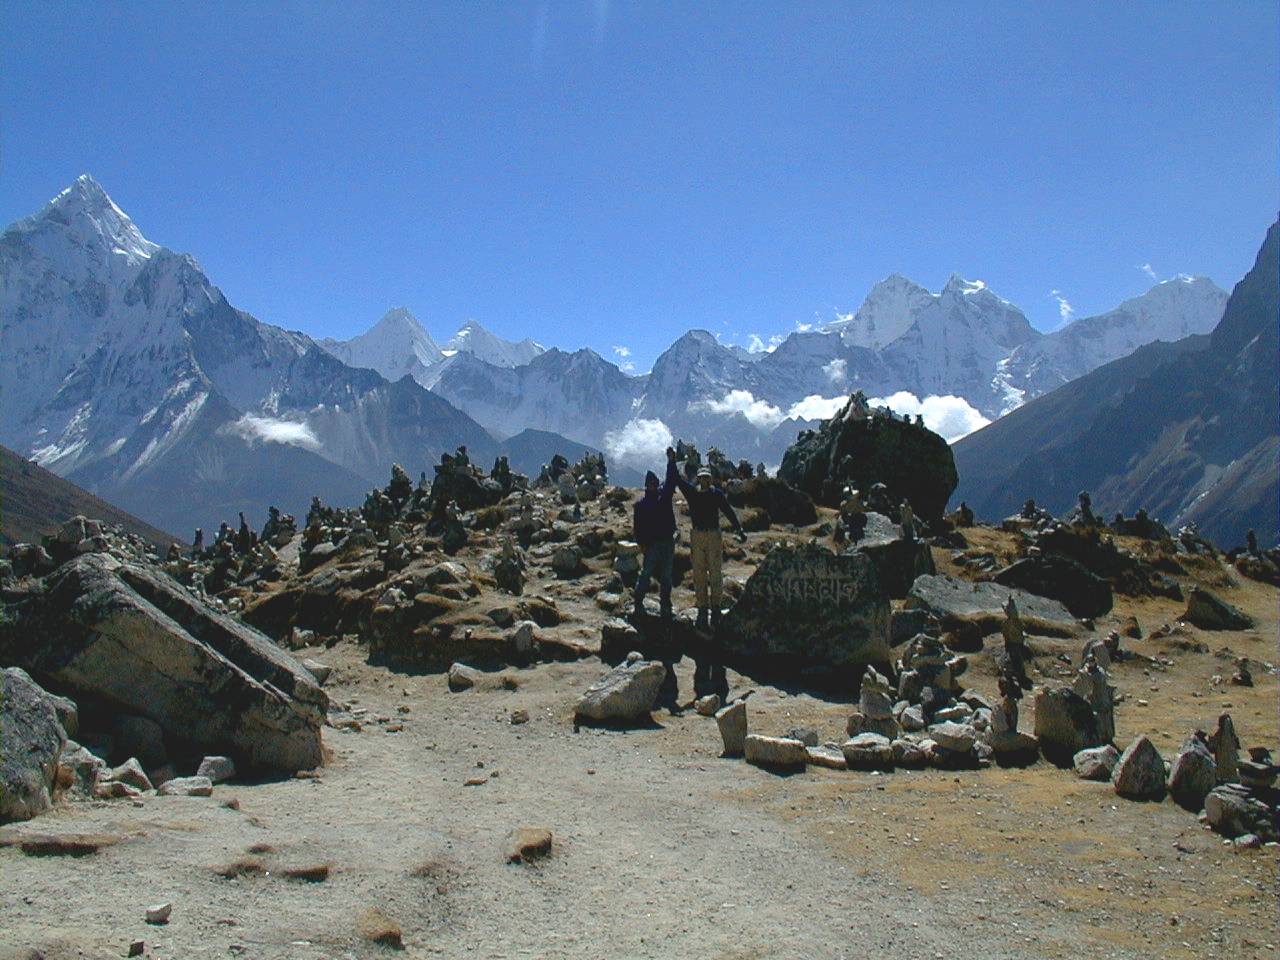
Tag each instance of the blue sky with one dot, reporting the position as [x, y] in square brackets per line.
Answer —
[605, 173]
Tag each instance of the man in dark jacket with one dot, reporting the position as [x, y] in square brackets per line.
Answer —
[654, 529]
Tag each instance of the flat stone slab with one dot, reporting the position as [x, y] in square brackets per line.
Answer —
[952, 599]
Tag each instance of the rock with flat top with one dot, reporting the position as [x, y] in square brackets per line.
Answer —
[868, 751]
[187, 787]
[774, 751]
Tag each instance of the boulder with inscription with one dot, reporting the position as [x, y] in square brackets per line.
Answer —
[807, 613]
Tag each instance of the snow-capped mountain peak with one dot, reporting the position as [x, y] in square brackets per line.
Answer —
[396, 345]
[84, 212]
[476, 340]
[1170, 310]
[887, 312]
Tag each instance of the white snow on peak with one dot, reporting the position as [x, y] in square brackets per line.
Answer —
[887, 312]
[394, 346]
[85, 213]
[482, 344]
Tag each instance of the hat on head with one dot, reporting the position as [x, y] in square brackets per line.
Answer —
[705, 472]
[650, 478]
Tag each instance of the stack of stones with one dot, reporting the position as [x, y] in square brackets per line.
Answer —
[929, 720]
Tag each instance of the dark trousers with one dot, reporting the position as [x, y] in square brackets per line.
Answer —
[659, 558]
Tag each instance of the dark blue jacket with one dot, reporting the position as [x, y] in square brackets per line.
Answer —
[706, 506]
[653, 516]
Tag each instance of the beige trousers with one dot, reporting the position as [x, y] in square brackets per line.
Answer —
[707, 552]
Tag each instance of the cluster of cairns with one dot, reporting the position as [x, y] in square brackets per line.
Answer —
[392, 574]
[77, 537]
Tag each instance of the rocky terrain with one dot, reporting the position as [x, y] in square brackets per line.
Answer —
[434, 725]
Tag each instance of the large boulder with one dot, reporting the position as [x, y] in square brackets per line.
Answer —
[898, 561]
[131, 638]
[1059, 578]
[31, 741]
[1209, 612]
[1193, 774]
[625, 694]
[1140, 773]
[808, 613]
[913, 462]
[1065, 724]
[782, 502]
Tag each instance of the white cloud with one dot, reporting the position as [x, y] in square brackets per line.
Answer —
[803, 327]
[757, 345]
[759, 413]
[1146, 268]
[1065, 310]
[815, 407]
[951, 417]
[639, 443]
[269, 430]
[623, 353]
[837, 370]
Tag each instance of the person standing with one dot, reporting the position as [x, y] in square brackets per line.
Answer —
[706, 546]
[653, 522]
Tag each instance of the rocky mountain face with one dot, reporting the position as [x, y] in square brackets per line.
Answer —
[127, 372]
[1171, 310]
[1187, 430]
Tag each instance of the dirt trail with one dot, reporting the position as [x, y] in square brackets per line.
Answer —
[662, 848]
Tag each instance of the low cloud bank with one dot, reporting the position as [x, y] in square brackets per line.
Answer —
[949, 416]
[639, 443]
[254, 429]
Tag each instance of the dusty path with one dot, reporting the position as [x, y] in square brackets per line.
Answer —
[662, 849]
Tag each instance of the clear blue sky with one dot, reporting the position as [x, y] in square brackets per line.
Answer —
[602, 173]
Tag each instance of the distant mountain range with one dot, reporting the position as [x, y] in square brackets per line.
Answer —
[126, 370]
[1187, 430]
[964, 343]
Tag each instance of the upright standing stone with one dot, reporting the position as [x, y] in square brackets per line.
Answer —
[1140, 775]
[732, 721]
[1226, 749]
